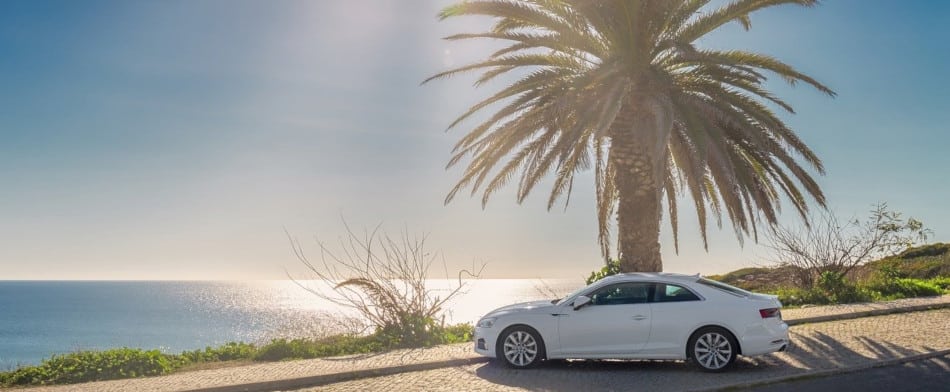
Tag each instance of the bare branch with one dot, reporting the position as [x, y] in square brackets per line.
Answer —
[828, 245]
[384, 279]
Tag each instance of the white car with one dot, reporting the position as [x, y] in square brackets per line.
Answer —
[638, 316]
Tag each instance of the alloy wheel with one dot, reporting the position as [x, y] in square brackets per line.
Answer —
[713, 351]
[520, 348]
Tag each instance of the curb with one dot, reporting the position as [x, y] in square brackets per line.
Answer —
[829, 372]
[324, 379]
[867, 313]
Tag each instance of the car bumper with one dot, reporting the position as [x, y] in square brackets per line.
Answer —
[765, 339]
[485, 339]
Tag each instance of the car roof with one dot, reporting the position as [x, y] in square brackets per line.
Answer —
[635, 276]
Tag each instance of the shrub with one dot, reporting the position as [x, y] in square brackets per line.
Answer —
[412, 330]
[830, 244]
[280, 349]
[942, 282]
[87, 366]
[794, 296]
[906, 288]
[838, 290]
[276, 350]
[611, 268]
[461, 333]
[229, 352]
[384, 279]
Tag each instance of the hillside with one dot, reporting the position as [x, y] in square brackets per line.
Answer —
[921, 262]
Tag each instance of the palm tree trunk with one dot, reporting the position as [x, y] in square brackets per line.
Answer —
[638, 148]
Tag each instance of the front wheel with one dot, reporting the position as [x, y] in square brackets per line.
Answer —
[713, 349]
[520, 347]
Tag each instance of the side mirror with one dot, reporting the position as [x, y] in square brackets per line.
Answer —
[581, 301]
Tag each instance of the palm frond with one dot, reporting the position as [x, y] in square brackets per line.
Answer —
[580, 64]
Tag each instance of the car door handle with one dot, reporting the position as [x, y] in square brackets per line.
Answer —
[639, 317]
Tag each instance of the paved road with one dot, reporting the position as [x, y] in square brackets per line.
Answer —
[816, 346]
[927, 375]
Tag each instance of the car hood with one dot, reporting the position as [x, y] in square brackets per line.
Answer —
[522, 307]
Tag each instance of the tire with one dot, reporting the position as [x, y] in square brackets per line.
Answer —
[520, 347]
[712, 349]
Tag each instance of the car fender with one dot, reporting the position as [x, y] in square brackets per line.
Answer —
[545, 324]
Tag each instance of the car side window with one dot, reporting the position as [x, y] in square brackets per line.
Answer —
[622, 294]
[672, 293]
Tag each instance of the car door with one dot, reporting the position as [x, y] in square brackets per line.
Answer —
[616, 322]
[674, 310]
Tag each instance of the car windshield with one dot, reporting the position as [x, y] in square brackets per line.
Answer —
[724, 287]
[571, 295]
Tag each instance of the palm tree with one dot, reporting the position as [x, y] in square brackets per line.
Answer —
[621, 86]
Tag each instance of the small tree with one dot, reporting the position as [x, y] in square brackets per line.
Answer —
[829, 249]
[384, 280]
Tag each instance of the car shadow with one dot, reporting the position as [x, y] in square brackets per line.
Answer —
[814, 351]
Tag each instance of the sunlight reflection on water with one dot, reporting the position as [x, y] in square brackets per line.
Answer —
[475, 299]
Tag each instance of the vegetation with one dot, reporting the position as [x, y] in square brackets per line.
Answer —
[85, 366]
[612, 268]
[384, 279]
[928, 261]
[623, 87]
[91, 365]
[830, 246]
[916, 272]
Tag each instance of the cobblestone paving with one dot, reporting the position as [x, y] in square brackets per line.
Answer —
[816, 346]
[627, 375]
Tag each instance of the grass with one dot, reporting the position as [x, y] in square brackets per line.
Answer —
[863, 292]
[85, 366]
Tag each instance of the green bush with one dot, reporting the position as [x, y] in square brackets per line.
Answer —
[278, 349]
[906, 288]
[458, 333]
[612, 268]
[831, 288]
[794, 296]
[411, 330]
[943, 282]
[281, 349]
[86, 366]
[229, 352]
[835, 290]
[838, 290]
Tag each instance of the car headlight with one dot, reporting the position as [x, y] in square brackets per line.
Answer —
[486, 322]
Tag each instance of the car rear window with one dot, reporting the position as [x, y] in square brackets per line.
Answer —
[724, 287]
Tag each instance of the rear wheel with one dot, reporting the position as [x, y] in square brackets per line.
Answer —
[713, 349]
[520, 347]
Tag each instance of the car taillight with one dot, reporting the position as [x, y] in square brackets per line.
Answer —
[770, 312]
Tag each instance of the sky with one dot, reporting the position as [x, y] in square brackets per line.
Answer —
[180, 139]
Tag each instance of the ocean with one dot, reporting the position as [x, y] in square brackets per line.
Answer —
[42, 318]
